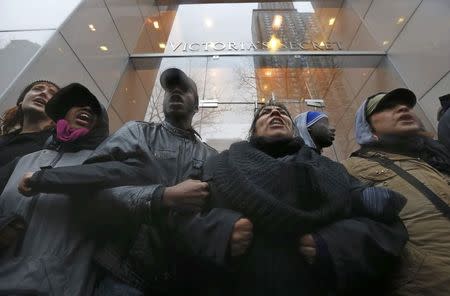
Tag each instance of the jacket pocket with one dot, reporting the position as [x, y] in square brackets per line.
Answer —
[378, 175]
[165, 154]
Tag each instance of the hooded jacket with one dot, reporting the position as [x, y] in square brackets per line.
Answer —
[425, 262]
[54, 257]
[300, 123]
[129, 171]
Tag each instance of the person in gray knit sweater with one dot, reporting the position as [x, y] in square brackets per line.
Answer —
[316, 229]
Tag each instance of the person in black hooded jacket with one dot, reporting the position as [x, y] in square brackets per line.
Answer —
[317, 230]
[53, 255]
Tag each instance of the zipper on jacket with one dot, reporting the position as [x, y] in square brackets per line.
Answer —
[35, 199]
[55, 160]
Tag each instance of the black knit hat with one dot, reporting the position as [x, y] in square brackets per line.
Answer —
[72, 95]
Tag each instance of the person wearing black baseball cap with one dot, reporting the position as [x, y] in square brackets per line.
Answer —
[395, 154]
[391, 113]
[54, 254]
[180, 98]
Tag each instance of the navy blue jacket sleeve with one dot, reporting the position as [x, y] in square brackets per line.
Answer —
[363, 251]
[205, 236]
[120, 160]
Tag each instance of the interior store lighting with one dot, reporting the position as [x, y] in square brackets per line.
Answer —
[156, 24]
[103, 48]
[277, 21]
[162, 45]
[92, 28]
[400, 20]
[331, 21]
[274, 43]
[208, 23]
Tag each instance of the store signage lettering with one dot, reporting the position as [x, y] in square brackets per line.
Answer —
[251, 46]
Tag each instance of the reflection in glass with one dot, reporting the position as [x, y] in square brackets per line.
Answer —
[320, 25]
[233, 87]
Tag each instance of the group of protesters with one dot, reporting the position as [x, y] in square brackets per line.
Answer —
[153, 210]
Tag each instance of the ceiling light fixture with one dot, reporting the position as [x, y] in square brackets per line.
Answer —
[156, 24]
[385, 42]
[162, 45]
[274, 43]
[92, 28]
[208, 23]
[400, 20]
[103, 48]
[277, 21]
[331, 21]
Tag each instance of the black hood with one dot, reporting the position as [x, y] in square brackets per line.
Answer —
[90, 141]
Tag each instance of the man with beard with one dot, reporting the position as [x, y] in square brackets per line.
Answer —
[163, 162]
[394, 155]
[315, 129]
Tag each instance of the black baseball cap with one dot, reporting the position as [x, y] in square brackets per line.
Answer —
[70, 96]
[175, 77]
[379, 101]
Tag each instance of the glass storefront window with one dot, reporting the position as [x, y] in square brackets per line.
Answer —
[253, 27]
[309, 55]
[231, 87]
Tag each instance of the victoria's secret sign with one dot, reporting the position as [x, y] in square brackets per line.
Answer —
[252, 46]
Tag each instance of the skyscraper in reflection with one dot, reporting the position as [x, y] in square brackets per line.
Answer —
[288, 78]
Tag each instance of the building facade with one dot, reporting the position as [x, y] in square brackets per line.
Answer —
[241, 54]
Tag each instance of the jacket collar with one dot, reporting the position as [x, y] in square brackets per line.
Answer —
[188, 134]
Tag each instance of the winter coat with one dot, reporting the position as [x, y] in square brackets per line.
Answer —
[54, 256]
[300, 124]
[15, 145]
[425, 265]
[139, 161]
[292, 195]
